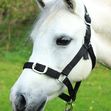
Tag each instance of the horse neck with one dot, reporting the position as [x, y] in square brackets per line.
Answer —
[102, 48]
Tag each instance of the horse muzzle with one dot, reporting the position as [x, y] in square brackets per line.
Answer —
[20, 102]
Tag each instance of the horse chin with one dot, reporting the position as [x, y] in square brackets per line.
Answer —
[30, 107]
[41, 107]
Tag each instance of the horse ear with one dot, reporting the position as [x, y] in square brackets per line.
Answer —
[70, 4]
[75, 6]
[43, 3]
[40, 3]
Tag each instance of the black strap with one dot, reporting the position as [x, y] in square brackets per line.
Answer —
[87, 17]
[92, 55]
[39, 67]
[75, 60]
[72, 91]
[68, 84]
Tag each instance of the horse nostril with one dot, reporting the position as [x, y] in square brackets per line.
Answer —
[20, 103]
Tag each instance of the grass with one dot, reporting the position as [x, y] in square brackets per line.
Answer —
[8, 75]
[94, 93]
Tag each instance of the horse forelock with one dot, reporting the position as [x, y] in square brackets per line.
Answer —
[48, 12]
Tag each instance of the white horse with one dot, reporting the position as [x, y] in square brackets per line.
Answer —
[57, 37]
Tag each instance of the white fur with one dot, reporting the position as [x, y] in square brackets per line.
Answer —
[54, 21]
[101, 22]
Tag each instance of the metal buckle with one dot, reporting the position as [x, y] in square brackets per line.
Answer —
[61, 78]
[69, 106]
[43, 72]
[89, 24]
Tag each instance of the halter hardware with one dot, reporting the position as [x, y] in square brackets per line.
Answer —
[62, 78]
[85, 51]
[69, 106]
[36, 66]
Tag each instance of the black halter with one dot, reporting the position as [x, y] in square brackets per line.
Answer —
[85, 51]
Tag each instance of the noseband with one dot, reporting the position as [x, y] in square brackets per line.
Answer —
[85, 51]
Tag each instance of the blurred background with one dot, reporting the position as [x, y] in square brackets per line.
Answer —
[16, 21]
[15, 15]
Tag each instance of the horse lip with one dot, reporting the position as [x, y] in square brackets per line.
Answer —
[41, 106]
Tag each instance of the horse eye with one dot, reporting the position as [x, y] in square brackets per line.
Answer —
[63, 40]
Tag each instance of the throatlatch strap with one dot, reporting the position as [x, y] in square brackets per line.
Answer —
[93, 57]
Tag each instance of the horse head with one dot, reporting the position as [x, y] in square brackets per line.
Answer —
[57, 37]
